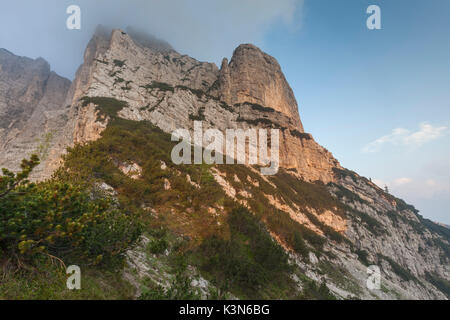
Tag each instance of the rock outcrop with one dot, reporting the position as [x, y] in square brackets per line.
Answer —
[392, 235]
[41, 110]
[255, 77]
[171, 90]
[32, 113]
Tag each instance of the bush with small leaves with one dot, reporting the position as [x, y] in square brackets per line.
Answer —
[60, 219]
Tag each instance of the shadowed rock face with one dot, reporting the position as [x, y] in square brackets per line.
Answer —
[31, 108]
[254, 76]
[149, 41]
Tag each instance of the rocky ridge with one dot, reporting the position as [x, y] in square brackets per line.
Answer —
[32, 112]
[172, 90]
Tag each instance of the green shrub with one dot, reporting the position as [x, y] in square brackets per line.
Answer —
[197, 92]
[299, 246]
[301, 135]
[306, 194]
[363, 256]
[313, 292]
[257, 107]
[372, 224]
[403, 273]
[200, 116]
[119, 63]
[159, 85]
[343, 193]
[248, 260]
[102, 61]
[107, 107]
[158, 246]
[327, 230]
[60, 219]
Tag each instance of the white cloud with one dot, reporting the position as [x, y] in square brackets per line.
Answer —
[405, 137]
[204, 29]
[394, 183]
[402, 181]
[417, 188]
[427, 188]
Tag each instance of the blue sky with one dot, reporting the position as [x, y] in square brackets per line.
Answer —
[355, 86]
[378, 99]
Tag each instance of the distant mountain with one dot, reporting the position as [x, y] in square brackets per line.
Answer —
[133, 91]
[31, 107]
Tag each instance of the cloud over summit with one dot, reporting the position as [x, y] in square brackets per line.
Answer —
[204, 29]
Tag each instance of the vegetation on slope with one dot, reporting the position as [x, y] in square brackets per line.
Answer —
[230, 245]
[46, 226]
[183, 209]
[249, 261]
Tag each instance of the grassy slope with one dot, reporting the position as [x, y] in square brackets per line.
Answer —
[245, 262]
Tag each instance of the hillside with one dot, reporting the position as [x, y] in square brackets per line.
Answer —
[206, 230]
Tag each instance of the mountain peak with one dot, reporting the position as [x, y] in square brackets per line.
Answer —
[154, 91]
[253, 76]
[148, 40]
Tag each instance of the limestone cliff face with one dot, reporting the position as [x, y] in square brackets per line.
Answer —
[254, 76]
[32, 113]
[171, 90]
[392, 235]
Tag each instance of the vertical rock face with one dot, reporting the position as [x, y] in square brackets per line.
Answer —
[31, 108]
[160, 85]
[254, 76]
[171, 90]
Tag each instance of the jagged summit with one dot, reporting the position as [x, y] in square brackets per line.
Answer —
[10, 61]
[256, 77]
[251, 76]
[169, 89]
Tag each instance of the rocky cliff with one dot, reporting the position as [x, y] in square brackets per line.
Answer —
[172, 90]
[32, 112]
[135, 77]
[159, 85]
